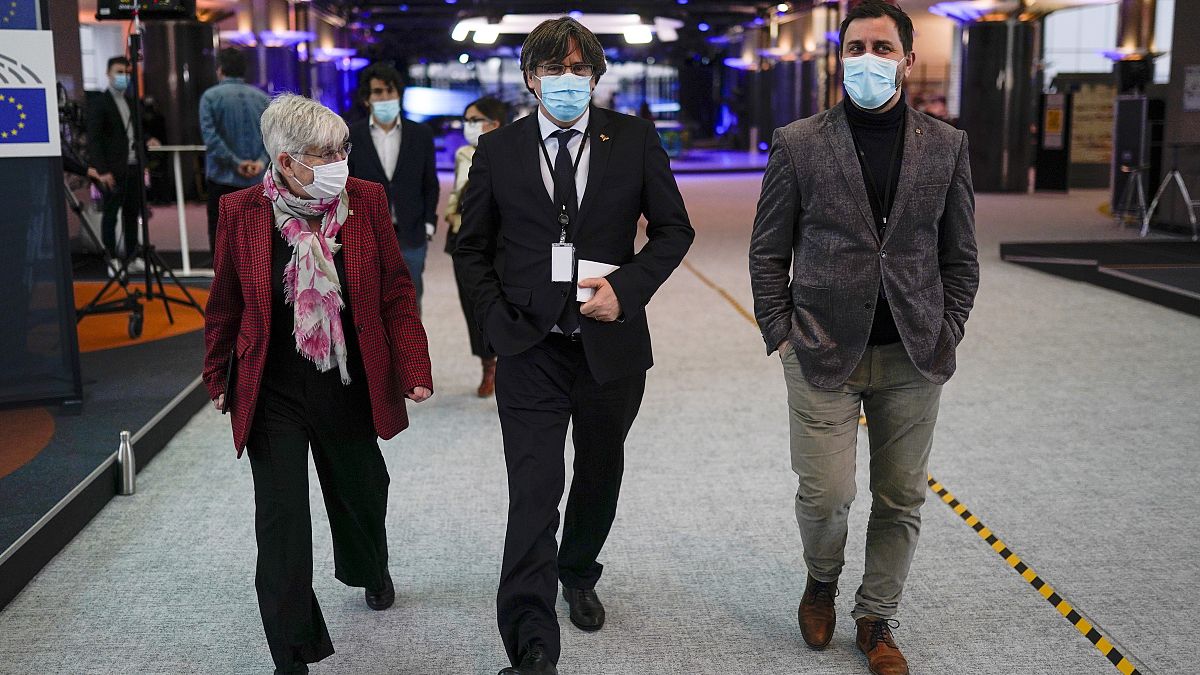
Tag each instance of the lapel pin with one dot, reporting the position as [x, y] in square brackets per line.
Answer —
[603, 138]
[352, 210]
[919, 132]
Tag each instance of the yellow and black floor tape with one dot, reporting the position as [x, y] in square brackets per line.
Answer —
[1086, 628]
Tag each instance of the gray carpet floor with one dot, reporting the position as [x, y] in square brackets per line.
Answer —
[1070, 429]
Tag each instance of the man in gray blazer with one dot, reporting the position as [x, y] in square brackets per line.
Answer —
[869, 207]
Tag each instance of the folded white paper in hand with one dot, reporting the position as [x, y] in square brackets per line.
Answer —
[591, 270]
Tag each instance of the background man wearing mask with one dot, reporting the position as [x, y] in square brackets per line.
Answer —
[112, 153]
[480, 117]
[870, 207]
[229, 121]
[398, 154]
[559, 187]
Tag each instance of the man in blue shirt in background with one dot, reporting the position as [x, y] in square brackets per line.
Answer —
[229, 121]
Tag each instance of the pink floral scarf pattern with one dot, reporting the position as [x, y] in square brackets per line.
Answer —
[310, 280]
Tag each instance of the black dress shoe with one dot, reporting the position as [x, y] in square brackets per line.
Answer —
[383, 598]
[535, 663]
[586, 611]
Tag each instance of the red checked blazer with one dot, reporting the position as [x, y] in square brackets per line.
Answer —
[392, 341]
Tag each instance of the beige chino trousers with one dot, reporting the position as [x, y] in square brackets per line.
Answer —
[901, 408]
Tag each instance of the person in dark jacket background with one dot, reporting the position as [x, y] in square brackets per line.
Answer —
[398, 154]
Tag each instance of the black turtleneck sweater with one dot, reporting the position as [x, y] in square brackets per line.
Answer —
[876, 136]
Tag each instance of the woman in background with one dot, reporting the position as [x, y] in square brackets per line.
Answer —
[486, 114]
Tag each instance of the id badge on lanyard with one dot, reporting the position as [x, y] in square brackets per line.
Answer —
[562, 254]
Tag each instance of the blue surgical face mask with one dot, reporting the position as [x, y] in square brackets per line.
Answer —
[121, 81]
[386, 112]
[566, 97]
[870, 80]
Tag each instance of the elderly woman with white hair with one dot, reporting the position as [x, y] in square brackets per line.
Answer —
[313, 339]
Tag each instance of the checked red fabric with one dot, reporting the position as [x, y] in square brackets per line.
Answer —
[392, 341]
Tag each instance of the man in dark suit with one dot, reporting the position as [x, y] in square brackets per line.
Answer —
[113, 156]
[565, 185]
[869, 207]
[398, 154]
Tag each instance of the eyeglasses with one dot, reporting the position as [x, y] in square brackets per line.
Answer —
[476, 120]
[332, 155]
[556, 69]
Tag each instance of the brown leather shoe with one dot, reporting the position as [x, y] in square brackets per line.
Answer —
[487, 386]
[875, 640]
[816, 614]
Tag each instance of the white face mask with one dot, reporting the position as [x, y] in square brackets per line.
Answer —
[472, 131]
[328, 179]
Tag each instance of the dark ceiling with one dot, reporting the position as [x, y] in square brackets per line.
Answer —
[421, 28]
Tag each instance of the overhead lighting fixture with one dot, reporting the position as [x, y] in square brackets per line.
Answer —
[632, 26]
[703, 27]
[639, 35]
[783, 7]
[464, 58]
[486, 35]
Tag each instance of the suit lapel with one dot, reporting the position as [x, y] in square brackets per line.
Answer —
[374, 153]
[351, 238]
[914, 144]
[597, 165]
[262, 228]
[531, 164]
[406, 141]
[841, 144]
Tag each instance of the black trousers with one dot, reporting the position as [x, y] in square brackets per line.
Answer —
[126, 198]
[479, 346]
[299, 409]
[538, 393]
[215, 192]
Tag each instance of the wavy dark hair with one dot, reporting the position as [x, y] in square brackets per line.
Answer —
[551, 42]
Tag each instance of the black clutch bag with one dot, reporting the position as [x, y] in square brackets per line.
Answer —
[230, 380]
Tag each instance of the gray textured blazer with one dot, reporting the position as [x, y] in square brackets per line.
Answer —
[814, 222]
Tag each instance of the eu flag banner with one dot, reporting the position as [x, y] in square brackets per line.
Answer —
[23, 116]
[18, 14]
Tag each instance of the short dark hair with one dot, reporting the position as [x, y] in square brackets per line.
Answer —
[873, 9]
[116, 61]
[232, 62]
[551, 41]
[492, 108]
[384, 72]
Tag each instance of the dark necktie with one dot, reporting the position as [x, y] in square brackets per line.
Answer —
[565, 193]
[564, 175]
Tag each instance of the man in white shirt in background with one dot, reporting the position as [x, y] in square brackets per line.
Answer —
[398, 154]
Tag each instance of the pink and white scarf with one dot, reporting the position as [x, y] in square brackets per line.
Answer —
[310, 280]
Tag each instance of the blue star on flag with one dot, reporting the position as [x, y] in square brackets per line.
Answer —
[23, 116]
[18, 14]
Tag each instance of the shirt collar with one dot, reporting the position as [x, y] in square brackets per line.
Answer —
[116, 94]
[547, 126]
[233, 80]
[376, 128]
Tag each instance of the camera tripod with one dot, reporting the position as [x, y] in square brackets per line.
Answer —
[155, 268]
[1176, 176]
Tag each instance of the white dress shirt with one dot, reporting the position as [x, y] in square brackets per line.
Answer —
[387, 146]
[547, 128]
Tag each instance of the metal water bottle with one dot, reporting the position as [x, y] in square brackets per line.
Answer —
[127, 465]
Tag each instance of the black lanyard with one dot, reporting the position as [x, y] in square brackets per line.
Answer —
[563, 218]
[885, 205]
